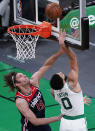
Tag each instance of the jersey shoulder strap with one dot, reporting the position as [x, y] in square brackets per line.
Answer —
[26, 97]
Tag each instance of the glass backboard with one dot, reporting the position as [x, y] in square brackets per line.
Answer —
[33, 12]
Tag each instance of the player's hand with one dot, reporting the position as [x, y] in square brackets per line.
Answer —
[87, 100]
[59, 117]
[62, 37]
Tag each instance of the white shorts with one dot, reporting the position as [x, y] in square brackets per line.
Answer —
[73, 125]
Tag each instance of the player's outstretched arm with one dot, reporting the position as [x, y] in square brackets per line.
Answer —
[46, 66]
[23, 107]
[73, 74]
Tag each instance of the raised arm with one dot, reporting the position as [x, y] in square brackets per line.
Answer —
[46, 66]
[73, 74]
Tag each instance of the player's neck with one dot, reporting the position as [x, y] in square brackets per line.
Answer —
[26, 91]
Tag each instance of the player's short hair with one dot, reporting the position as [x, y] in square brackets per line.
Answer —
[56, 82]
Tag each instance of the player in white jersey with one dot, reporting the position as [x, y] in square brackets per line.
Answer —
[68, 93]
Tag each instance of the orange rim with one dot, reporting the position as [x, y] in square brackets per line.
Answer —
[25, 26]
[44, 29]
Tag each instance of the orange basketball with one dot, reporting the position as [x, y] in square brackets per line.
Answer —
[53, 11]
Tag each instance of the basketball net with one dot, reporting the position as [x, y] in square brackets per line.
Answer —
[25, 45]
[26, 37]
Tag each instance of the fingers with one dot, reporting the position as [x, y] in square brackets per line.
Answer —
[60, 116]
[62, 35]
[87, 100]
[62, 32]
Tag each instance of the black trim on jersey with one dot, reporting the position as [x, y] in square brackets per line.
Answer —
[19, 97]
[24, 94]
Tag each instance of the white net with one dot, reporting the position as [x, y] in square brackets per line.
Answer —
[25, 43]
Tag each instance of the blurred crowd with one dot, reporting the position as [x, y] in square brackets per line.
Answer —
[4, 16]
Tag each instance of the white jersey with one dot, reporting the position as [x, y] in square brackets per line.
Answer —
[71, 103]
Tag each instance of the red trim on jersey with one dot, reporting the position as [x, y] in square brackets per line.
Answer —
[29, 97]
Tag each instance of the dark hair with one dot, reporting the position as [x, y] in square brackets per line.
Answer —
[10, 80]
[56, 82]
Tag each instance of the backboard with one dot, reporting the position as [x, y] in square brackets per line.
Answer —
[72, 20]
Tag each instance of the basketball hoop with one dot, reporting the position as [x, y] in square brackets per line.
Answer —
[26, 37]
